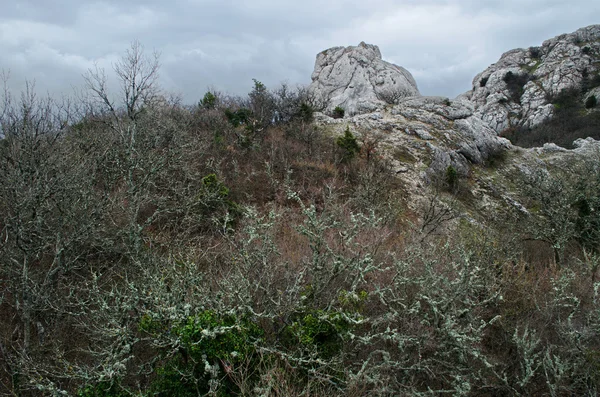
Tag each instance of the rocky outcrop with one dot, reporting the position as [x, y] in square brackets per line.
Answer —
[518, 89]
[432, 133]
[358, 80]
[421, 137]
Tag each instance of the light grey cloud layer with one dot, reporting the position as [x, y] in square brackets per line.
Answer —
[226, 43]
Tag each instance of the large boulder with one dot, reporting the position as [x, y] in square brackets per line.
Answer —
[358, 80]
[518, 89]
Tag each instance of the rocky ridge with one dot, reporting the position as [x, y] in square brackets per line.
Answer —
[519, 88]
[422, 136]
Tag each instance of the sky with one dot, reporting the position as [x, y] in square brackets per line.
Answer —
[224, 44]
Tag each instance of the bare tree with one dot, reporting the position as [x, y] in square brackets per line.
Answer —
[137, 74]
[392, 95]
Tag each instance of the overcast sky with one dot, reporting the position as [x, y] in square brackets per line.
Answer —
[226, 43]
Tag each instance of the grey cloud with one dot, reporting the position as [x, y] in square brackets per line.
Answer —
[226, 43]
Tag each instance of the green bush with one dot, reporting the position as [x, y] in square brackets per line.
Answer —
[209, 101]
[591, 102]
[338, 112]
[210, 345]
[238, 117]
[535, 52]
[102, 389]
[515, 83]
[323, 331]
[451, 176]
[306, 113]
[212, 202]
[348, 144]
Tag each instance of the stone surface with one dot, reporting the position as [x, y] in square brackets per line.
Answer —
[426, 134]
[538, 74]
[356, 78]
[420, 137]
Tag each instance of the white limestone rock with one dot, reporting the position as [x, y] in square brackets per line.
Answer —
[356, 78]
[538, 74]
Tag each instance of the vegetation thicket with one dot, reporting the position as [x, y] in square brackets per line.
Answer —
[235, 248]
[574, 117]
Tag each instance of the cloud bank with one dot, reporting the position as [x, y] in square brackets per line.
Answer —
[225, 44]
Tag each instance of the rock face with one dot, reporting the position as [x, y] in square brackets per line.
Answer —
[430, 133]
[422, 137]
[358, 80]
[518, 89]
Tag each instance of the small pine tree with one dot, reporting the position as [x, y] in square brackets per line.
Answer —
[209, 101]
[348, 144]
[306, 112]
[451, 176]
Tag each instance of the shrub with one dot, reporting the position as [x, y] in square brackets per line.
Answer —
[567, 100]
[483, 81]
[319, 330]
[210, 346]
[451, 176]
[306, 112]
[591, 102]
[213, 203]
[348, 144]
[392, 96]
[515, 84]
[535, 52]
[294, 104]
[102, 389]
[209, 101]
[338, 112]
[262, 104]
[238, 117]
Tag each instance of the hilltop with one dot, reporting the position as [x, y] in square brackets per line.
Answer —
[350, 238]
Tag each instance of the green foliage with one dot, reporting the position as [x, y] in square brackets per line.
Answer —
[258, 90]
[238, 117]
[515, 84]
[102, 389]
[262, 105]
[214, 186]
[212, 202]
[209, 101]
[591, 102]
[306, 112]
[353, 302]
[535, 52]
[338, 112]
[320, 331]
[218, 337]
[210, 345]
[151, 325]
[570, 122]
[589, 82]
[566, 100]
[348, 144]
[451, 176]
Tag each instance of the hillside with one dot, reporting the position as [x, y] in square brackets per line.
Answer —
[350, 238]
